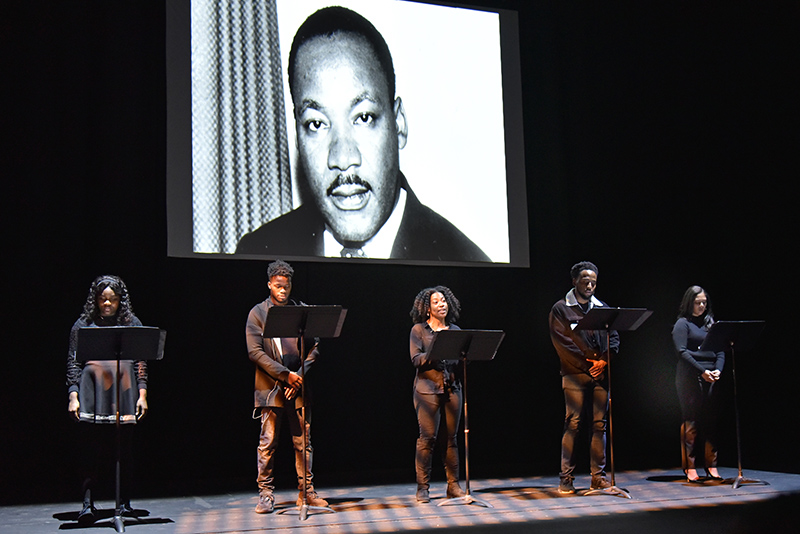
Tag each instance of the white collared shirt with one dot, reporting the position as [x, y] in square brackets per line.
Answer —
[572, 300]
[380, 246]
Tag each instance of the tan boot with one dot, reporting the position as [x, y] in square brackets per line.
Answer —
[312, 499]
[454, 491]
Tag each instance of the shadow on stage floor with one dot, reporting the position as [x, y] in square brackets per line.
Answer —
[660, 501]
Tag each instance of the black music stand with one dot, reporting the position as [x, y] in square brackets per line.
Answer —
[302, 321]
[621, 320]
[465, 345]
[742, 335]
[120, 343]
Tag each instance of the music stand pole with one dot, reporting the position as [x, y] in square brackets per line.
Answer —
[118, 343]
[740, 479]
[304, 505]
[467, 344]
[466, 427]
[614, 490]
[304, 508]
[119, 523]
[732, 334]
[611, 419]
[607, 319]
[468, 498]
[302, 321]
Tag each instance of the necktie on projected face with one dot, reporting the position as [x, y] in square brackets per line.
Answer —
[348, 252]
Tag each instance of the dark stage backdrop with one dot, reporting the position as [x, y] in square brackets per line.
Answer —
[659, 144]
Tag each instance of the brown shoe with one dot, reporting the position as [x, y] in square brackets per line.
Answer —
[266, 503]
[566, 485]
[312, 499]
[454, 491]
[600, 482]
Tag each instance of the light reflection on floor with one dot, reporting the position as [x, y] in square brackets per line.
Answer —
[391, 508]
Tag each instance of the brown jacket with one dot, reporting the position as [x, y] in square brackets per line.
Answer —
[271, 373]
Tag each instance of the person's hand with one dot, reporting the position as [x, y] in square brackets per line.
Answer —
[293, 384]
[711, 376]
[74, 405]
[294, 380]
[141, 404]
[597, 368]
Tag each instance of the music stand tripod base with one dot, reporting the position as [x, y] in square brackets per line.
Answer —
[304, 510]
[741, 480]
[466, 499]
[613, 490]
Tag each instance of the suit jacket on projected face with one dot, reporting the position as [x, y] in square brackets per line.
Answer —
[423, 235]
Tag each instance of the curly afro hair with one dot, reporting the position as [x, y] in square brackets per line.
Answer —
[279, 268]
[422, 305]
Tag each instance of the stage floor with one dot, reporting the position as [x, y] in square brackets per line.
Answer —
[661, 501]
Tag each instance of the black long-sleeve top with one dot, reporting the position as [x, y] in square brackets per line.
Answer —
[433, 377]
[688, 335]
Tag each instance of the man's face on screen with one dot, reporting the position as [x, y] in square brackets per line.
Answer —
[349, 133]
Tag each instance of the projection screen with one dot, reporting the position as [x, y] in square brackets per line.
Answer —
[445, 187]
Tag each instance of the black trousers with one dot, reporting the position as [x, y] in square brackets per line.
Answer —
[434, 411]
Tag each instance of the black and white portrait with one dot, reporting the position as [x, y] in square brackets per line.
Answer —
[374, 129]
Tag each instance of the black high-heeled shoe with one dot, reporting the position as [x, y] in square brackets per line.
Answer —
[88, 514]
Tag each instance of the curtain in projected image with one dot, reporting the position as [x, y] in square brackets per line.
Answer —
[240, 162]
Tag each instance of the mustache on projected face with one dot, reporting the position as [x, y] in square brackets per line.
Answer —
[346, 185]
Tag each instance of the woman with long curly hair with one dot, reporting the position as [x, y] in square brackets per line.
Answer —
[91, 387]
[697, 373]
[437, 388]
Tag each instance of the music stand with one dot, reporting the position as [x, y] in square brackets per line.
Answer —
[465, 345]
[621, 320]
[742, 335]
[120, 343]
[302, 321]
